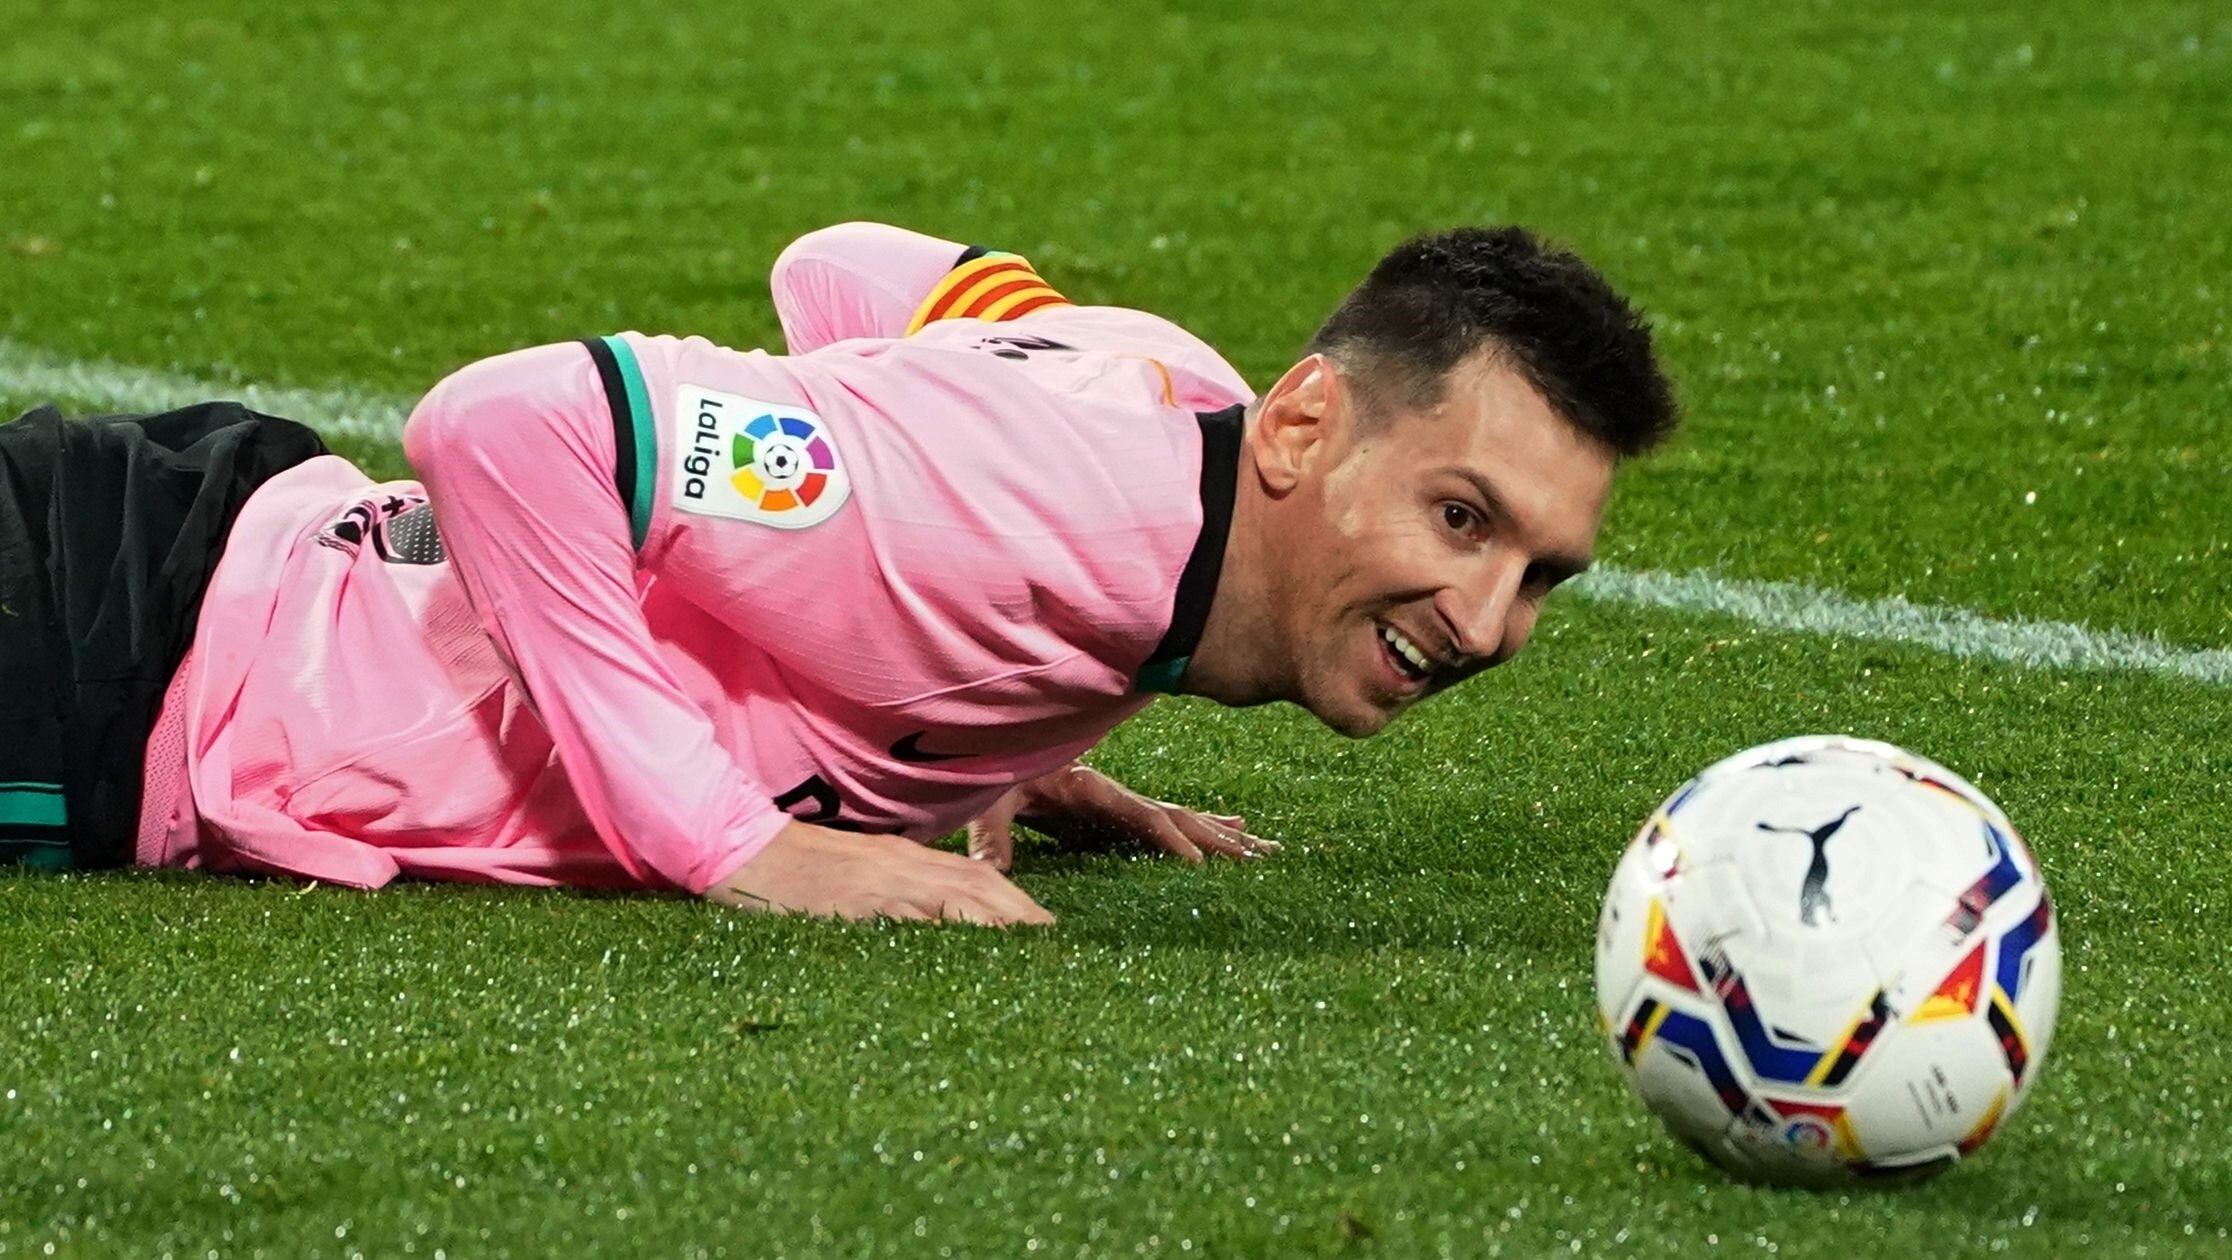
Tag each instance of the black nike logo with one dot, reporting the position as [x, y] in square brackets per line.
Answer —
[911, 749]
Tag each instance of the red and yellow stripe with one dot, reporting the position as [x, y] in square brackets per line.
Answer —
[994, 287]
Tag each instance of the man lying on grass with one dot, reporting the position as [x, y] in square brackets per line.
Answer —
[661, 614]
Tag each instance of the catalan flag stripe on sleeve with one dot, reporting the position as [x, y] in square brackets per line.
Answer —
[990, 287]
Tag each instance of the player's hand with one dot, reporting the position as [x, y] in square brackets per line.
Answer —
[814, 870]
[1084, 807]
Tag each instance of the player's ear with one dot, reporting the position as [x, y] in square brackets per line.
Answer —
[1290, 422]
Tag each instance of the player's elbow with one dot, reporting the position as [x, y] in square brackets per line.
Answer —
[444, 422]
[838, 240]
[483, 411]
[800, 281]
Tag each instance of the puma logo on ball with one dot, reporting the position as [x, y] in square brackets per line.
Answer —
[1813, 897]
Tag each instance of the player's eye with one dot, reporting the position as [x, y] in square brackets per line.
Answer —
[1460, 519]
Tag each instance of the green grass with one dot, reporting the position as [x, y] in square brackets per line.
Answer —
[2000, 239]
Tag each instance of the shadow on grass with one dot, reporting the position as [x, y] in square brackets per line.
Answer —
[1291, 906]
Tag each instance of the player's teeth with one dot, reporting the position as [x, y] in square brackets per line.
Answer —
[1404, 646]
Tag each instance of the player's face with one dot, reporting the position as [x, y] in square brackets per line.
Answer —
[1439, 532]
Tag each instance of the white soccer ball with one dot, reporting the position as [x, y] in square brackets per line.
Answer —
[1828, 960]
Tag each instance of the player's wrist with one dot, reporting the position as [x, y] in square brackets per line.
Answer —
[721, 870]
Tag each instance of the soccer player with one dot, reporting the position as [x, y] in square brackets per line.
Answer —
[662, 614]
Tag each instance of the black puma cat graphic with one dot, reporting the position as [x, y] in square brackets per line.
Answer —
[1813, 897]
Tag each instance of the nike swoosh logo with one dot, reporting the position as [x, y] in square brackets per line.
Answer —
[911, 749]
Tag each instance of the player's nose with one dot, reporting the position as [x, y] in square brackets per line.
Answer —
[1476, 609]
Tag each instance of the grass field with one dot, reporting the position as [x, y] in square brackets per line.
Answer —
[1947, 293]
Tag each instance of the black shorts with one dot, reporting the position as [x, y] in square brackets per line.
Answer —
[109, 530]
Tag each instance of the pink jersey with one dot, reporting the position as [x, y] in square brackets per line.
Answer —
[653, 597]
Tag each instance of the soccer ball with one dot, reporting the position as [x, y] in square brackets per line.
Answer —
[1826, 961]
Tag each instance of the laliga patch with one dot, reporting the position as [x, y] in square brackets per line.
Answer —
[772, 463]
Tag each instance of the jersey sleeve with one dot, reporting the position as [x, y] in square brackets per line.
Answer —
[989, 286]
[519, 458]
[856, 280]
[874, 280]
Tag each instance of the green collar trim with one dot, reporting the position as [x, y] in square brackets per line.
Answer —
[1161, 677]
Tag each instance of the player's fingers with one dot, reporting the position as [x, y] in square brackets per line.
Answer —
[994, 907]
[964, 911]
[1211, 837]
[1214, 833]
[896, 911]
[1014, 905]
[1256, 845]
[992, 843]
[992, 836]
[1164, 831]
[1234, 822]
[1231, 826]
[976, 893]
[946, 905]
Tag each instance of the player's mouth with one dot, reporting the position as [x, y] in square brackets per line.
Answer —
[1407, 663]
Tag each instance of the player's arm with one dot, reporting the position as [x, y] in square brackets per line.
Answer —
[875, 280]
[521, 476]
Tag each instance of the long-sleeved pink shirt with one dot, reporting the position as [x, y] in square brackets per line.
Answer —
[652, 597]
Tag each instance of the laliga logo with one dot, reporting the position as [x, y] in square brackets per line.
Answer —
[1808, 1133]
[778, 467]
[781, 464]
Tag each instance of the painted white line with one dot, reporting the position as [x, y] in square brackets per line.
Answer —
[33, 375]
[1789, 606]
[30, 375]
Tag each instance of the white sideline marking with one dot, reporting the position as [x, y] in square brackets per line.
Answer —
[38, 375]
[33, 374]
[2051, 645]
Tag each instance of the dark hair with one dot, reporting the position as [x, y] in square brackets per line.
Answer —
[1436, 299]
